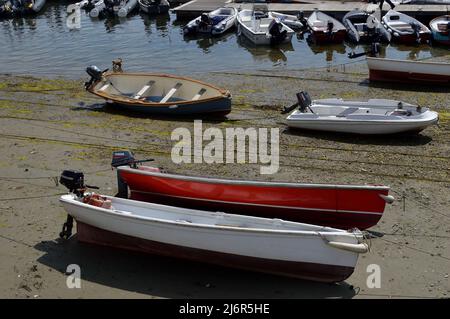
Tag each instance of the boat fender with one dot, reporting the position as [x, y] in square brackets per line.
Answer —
[360, 248]
[387, 198]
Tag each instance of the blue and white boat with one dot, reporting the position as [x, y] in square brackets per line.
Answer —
[440, 28]
[158, 93]
[215, 22]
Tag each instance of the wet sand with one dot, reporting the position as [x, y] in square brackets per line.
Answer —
[47, 125]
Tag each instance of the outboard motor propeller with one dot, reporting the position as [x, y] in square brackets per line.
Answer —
[95, 73]
[277, 34]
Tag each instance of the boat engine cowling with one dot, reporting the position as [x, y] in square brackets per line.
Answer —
[304, 101]
[72, 179]
[123, 158]
[278, 35]
[95, 73]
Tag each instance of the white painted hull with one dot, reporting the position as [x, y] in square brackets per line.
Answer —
[237, 235]
[290, 20]
[370, 117]
[256, 29]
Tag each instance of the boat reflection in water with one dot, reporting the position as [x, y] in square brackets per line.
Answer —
[161, 22]
[329, 50]
[277, 55]
[206, 42]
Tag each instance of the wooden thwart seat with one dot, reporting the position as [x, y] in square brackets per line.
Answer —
[199, 94]
[142, 91]
[170, 93]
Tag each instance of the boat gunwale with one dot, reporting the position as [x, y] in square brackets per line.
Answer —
[406, 62]
[320, 232]
[250, 183]
[225, 94]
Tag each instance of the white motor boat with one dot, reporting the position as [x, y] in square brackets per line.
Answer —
[215, 22]
[375, 116]
[291, 21]
[260, 29]
[268, 245]
[405, 29]
[153, 7]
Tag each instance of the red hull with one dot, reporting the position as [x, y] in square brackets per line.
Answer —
[336, 206]
[308, 271]
[406, 77]
[323, 37]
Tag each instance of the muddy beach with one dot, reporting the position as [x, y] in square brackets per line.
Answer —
[51, 124]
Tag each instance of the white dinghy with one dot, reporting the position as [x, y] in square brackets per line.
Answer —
[215, 22]
[375, 116]
[260, 29]
[261, 244]
[291, 21]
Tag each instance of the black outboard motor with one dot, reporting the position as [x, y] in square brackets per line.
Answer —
[330, 26]
[124, 158]
[416, 29]
[277, 34]
[205, 21]
[95, 73]
[74, 181]
[301, 18]
[304, 101]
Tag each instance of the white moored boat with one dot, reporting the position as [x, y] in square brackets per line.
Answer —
[261, 244]
[215, 22]
[291, 21]
[375, 116]
[408, 71]
[260, 29]
[405, 29]
[154, 7]
[120, 8]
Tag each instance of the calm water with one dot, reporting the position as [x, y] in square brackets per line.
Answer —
[44, 45]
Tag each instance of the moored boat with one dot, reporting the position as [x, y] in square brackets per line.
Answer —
[440, 28]
[154, 7]
[271, 245]
[158, 93]
[119, 8]
[340, 206]
[326, 29]
[215, 22]
[262, 30]
[290, 20]
[365, 27]
[17, 8]
[408, 71]
[405, 29]
[374, 116]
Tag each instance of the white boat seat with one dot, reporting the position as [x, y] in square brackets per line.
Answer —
[170, 93]
[318, 24]
[104, 87]
[142, 91]
[199, 94]
[347, 111]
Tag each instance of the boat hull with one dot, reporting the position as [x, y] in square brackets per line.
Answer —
[219, 107]
[324, 37]
[408, 71]
[328, 205]
[362, 127]
[309, 271]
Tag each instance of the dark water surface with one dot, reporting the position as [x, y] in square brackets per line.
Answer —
[44, 45]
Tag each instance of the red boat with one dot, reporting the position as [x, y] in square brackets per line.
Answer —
[339, 206]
